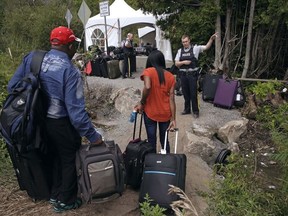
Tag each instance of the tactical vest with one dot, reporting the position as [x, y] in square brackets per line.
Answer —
[189, 55]
[128, 50]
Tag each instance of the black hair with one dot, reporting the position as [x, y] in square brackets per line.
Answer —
[156, 59]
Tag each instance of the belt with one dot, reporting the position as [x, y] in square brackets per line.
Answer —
[189, 69]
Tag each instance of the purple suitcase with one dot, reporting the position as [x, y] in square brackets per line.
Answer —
[225, 93]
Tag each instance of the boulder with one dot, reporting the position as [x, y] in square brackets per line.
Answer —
[232, 130]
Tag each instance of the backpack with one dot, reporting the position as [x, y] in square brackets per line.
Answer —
[100, 171]
[23, 111]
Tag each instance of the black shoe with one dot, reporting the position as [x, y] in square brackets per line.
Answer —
[185, 112]
[124, 77]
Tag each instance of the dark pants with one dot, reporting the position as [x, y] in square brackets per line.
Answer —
[133, 63]
[63, 141]
[151, 130]
[129, 64]
[189, 90]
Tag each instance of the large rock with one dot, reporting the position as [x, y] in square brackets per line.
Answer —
[205, 147]
[125, 99]
[232, 130]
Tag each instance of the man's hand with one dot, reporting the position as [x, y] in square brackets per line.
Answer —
[98, 142]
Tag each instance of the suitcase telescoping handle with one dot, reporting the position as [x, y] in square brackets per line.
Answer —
[140, 127]
[176, 130]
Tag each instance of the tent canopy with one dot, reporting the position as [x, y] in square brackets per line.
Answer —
[122, 15]
[145, 30]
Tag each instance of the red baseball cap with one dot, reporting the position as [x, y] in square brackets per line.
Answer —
[62, 35]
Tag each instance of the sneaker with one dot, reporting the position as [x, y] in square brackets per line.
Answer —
[53, 201]
[61, 207]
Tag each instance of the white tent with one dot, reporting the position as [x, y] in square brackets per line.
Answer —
[145, 30]
[122, 15]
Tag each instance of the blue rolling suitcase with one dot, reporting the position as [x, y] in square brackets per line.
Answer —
[225, 93]
[160, 171]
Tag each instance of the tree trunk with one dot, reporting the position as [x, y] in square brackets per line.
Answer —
[242, 38]
[286, 75]
[217, 61]
[249, 39]
[225, 64]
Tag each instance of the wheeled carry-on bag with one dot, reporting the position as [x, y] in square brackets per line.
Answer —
[33, 172]
[225, 93]
[113, 69]
[210, 83]
[100, 171]
[134, 156]
[160, 171]
[96, 70]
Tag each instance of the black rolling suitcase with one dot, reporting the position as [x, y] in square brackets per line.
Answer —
[210, 82]
[134, 156]
[240, 95]
[160, 171]
[33, 172]
[96, 70]
[103, 67]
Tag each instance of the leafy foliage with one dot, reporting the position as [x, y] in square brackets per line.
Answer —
[239, 193]
[276, 120]
[149, 210]
[262, 89]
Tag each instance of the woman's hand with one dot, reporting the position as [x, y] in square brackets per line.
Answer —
[172, 125]
[139, 107]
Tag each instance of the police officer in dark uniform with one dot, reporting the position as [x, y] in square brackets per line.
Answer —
[129, 58]
[187, 62]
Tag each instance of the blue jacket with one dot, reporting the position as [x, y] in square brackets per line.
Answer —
[63, 84]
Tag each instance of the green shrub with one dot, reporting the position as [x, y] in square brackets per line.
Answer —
[262, 89]
[240, 193]
[147, 209]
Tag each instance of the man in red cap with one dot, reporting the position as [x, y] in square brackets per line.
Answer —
[67, 120]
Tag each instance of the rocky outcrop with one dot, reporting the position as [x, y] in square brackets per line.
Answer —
[207, 141]
[232, 130]
[125, 99]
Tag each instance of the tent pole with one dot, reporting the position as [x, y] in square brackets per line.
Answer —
[106, 37]
[119, 33]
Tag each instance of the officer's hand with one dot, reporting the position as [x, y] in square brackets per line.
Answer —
[187, 62]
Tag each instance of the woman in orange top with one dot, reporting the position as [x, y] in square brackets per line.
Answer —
[158, 101]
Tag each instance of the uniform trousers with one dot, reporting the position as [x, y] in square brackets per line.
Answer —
[189, 90]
